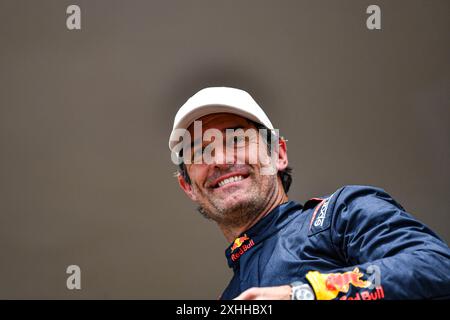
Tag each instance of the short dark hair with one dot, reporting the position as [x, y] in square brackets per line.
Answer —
[285, 175]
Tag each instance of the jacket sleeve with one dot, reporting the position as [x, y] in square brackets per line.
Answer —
[386, 253]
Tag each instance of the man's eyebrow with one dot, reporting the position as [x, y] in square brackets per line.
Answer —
[195, 142]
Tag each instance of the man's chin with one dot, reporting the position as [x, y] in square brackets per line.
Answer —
[233, 212]
[237, 206]
[239, 199]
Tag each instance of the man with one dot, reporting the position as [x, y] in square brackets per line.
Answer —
[357, 243]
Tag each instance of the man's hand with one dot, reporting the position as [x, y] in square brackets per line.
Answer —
[267, 293]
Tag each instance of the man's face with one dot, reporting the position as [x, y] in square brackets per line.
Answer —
[231, 193]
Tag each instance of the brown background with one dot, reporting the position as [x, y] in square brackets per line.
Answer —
[85, 171]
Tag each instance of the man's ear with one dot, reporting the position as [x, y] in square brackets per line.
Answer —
[187, 188]
[282, 161]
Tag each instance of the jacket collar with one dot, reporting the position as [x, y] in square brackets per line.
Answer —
[264, 228]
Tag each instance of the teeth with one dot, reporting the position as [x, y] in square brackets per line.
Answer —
[231, 179]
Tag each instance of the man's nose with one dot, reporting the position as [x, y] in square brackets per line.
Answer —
[223, 157]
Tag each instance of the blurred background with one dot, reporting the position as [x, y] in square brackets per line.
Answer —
[85, 116]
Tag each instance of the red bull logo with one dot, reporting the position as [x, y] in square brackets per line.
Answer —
[239, 243]
[342, 281]
[328, 286]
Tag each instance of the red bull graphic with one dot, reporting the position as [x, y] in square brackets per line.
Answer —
[367, 295]
[239, 244]
[328, 286]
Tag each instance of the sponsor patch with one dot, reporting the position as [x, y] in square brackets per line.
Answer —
[328, 286]
[320, 219]
[240, 246]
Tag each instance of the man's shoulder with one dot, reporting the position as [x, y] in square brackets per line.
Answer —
[348, 193]
[357, 195]
[349, 201]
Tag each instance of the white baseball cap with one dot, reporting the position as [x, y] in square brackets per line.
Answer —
[217, 100]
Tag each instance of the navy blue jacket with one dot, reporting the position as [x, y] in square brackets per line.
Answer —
[358, 243]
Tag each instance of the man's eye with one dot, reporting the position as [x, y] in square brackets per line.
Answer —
[197, 153]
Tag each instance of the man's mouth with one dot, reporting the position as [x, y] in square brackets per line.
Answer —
[229, 179]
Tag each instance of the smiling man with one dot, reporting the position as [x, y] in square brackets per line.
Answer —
[357, 243]
[236, 194]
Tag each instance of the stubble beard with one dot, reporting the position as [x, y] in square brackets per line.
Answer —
[242, 212]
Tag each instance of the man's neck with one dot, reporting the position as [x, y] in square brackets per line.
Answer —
[231, 232]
